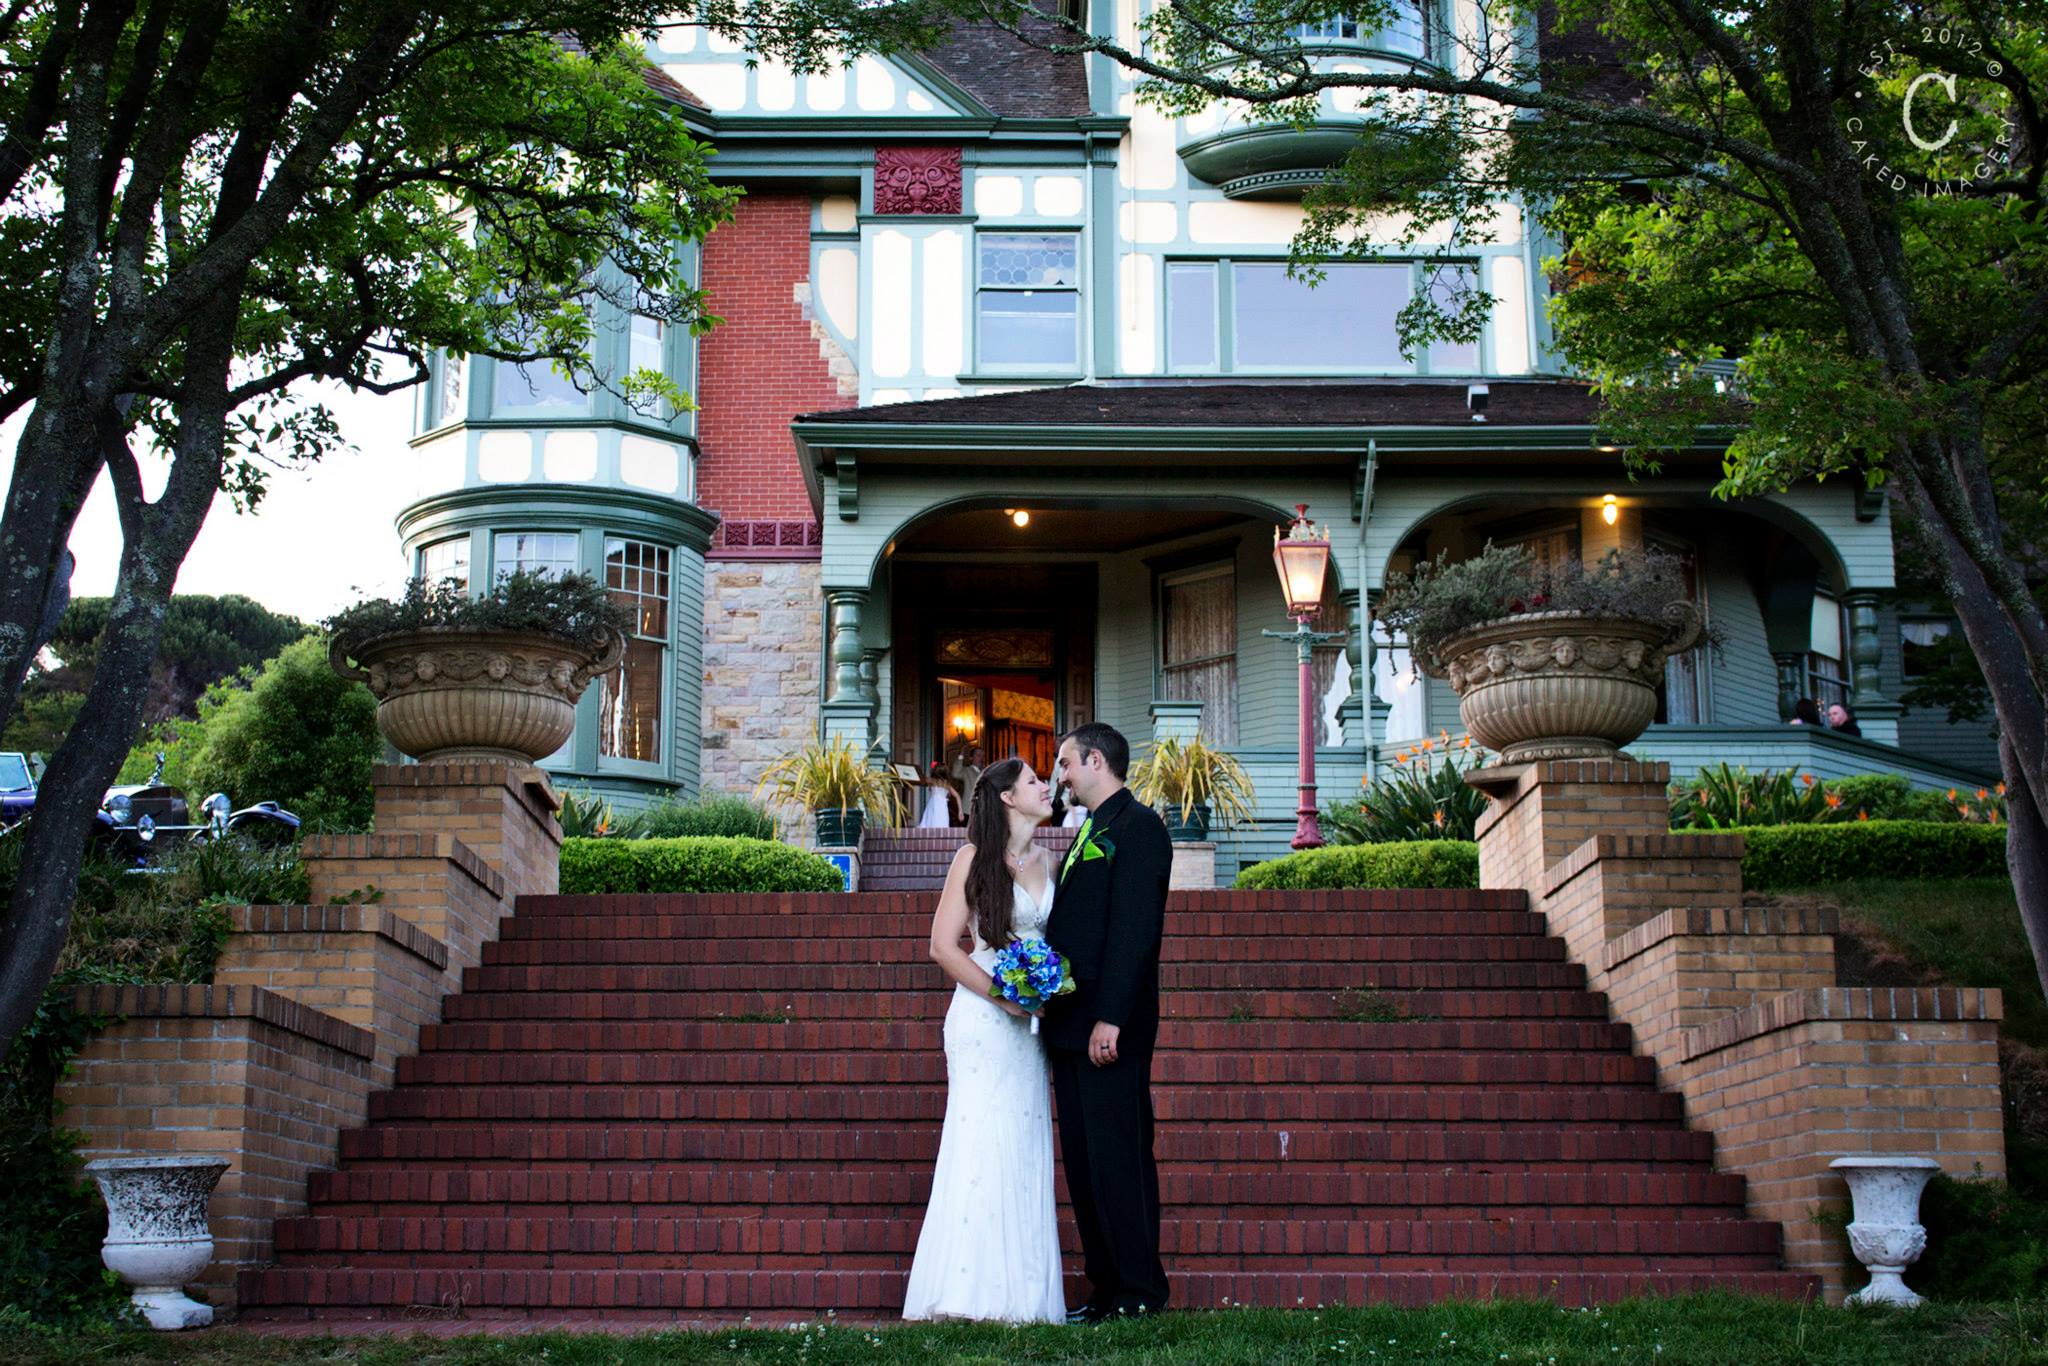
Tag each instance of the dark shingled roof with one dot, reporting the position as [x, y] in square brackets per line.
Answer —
[1382, 403]
[1011, 77]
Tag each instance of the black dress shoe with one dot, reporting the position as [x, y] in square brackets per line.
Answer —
[1087, 1313]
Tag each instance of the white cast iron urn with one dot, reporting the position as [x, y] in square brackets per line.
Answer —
[1886, 1234]
[157, 1236]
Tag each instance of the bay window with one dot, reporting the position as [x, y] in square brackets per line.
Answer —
[446, 564]
[546, 552]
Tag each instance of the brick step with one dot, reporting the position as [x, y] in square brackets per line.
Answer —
[868, 979]
[468, 1190]
[1232, 928]
[1392, 1244]
[846, 1040]
[290, 1292]
[540, 1007]
[927, 1067]
[558, 1125]
[1274, 952]
[799, 906]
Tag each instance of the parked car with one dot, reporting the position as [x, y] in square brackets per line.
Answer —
[17, 786]
[137, 822]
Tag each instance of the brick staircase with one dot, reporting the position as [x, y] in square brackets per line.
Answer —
[916, 860]
[708, 1106]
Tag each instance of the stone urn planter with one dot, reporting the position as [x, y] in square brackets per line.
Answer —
[448, 694]
[1561, 685]
[157, 1236]
[1886, 1234]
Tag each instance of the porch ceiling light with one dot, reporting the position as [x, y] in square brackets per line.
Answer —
[1302, 557]
[1610, 510]
[1019, 516]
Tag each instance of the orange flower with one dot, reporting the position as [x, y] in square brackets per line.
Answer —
[1428, 744]
[1982, 793]
[2001, 789]
[1951, 794]
[1806, 778]
[1465, 743]
[1834, 800]
[1445, 736]
[1439, 818]
[1402, 757]
[1862, 815]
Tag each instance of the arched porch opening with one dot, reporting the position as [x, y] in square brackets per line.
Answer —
[1795, 619]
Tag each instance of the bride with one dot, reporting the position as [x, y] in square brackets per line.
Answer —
[990, 1246]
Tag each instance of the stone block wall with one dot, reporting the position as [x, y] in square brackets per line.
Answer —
[1739, 1005]
[764, 643]
[312, 1006]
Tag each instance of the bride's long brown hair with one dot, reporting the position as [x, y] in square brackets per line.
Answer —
[989, 898]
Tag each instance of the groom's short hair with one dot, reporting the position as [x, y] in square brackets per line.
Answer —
[1106, 740]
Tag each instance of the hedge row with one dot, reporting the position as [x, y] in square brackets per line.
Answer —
[1775, 856]
[705, 863]
[1400, 863]
[1805, 855]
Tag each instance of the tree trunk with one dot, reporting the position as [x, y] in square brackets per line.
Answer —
[2026, 857]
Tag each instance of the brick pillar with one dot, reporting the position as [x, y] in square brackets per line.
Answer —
[503, 812]
[1739, 1006]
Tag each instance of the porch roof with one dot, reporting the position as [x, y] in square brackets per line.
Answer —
[1299, 403]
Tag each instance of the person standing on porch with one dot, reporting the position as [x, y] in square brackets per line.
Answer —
[1108, 917]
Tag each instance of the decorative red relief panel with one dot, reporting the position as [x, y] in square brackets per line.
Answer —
[917, 180]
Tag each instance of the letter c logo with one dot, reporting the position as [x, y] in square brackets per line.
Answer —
[1947, 81]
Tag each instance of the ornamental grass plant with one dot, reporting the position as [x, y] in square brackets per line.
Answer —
[832, 775]
[1181, 775]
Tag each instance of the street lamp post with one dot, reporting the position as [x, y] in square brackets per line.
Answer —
[1302, 558]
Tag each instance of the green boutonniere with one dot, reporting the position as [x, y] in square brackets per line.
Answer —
[1098, 846]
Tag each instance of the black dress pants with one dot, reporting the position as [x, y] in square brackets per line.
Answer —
[1106, 1146]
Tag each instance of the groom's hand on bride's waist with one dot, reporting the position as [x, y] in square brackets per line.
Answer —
[1102, 1044]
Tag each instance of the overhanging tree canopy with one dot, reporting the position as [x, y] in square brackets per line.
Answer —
[207, 202]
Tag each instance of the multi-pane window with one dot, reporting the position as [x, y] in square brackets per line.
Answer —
[1027, 301]
[546, 552]
[1408, 33]
[1198, 646]
[446, 564]
[535, 387]
[1251, 316]
[629, 706]
[647, 349]
[1827, 669]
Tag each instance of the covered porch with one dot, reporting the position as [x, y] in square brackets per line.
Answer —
[997, 570]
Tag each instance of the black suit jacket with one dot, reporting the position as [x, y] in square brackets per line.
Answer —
[1107, 919]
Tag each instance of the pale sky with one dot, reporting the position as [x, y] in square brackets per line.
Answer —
[318, 537]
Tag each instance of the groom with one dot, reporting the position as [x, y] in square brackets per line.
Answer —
[1107, 918]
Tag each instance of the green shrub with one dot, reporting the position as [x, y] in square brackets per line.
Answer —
[1805, 855]
[1414, 863]
[1986, 1241]
[1882, 796]
[693, 864]
[294, 732]
[710, 815]
[1416, 799]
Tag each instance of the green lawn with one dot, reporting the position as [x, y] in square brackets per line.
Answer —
[1965, 931]
[1705, 1331]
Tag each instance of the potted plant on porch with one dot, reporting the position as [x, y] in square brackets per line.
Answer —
[835, 781]
[491, 677]
[1193, 782]
[1557, 661]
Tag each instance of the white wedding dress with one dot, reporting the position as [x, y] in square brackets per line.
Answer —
[990, 1246]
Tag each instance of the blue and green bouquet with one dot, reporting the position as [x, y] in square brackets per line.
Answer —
[1030, 972]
